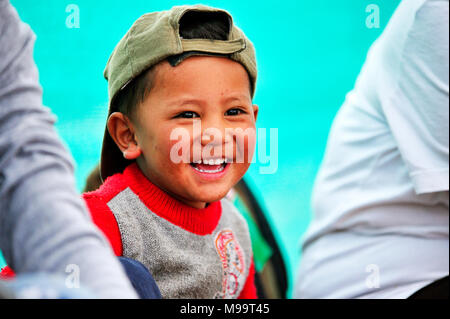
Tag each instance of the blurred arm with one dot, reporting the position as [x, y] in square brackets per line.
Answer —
[418, 107]
[44, 225]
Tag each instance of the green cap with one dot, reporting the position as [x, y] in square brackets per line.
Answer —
[155, 37]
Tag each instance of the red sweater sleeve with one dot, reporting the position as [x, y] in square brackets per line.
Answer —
[103, 217]
[249, 290]
[7, 273]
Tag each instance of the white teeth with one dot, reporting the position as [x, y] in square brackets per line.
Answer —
[221, 168]
[217, 161]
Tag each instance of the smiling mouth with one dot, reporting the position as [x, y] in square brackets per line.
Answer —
[210, 166]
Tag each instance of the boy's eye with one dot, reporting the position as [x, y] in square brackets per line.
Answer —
[234, 112]
[187, 115]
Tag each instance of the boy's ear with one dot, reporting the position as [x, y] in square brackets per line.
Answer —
[121, 130]
[255, 111]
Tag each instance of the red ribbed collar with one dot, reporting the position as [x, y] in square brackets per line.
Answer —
[195, 220]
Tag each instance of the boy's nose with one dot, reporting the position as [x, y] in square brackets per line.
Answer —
[213, 131]
[212, 136]
[213, 143]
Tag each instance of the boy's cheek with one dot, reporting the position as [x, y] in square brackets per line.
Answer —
[177, 147]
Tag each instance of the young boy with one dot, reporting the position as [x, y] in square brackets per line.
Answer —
[189, 70]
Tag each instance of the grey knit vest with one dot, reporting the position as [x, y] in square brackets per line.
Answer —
[185, 265]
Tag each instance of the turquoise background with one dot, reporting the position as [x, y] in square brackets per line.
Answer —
[309, 54]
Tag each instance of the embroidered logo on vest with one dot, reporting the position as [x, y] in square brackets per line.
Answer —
[233, 265]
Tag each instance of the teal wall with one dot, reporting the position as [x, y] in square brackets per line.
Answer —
[309, 54]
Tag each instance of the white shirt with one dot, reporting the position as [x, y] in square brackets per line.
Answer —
[380, 226]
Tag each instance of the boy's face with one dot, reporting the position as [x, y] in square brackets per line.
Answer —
[213, 93]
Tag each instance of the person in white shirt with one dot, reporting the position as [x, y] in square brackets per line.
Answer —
[380, 225]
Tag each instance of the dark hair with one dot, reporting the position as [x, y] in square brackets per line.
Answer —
[205, 25]
[193, 25]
